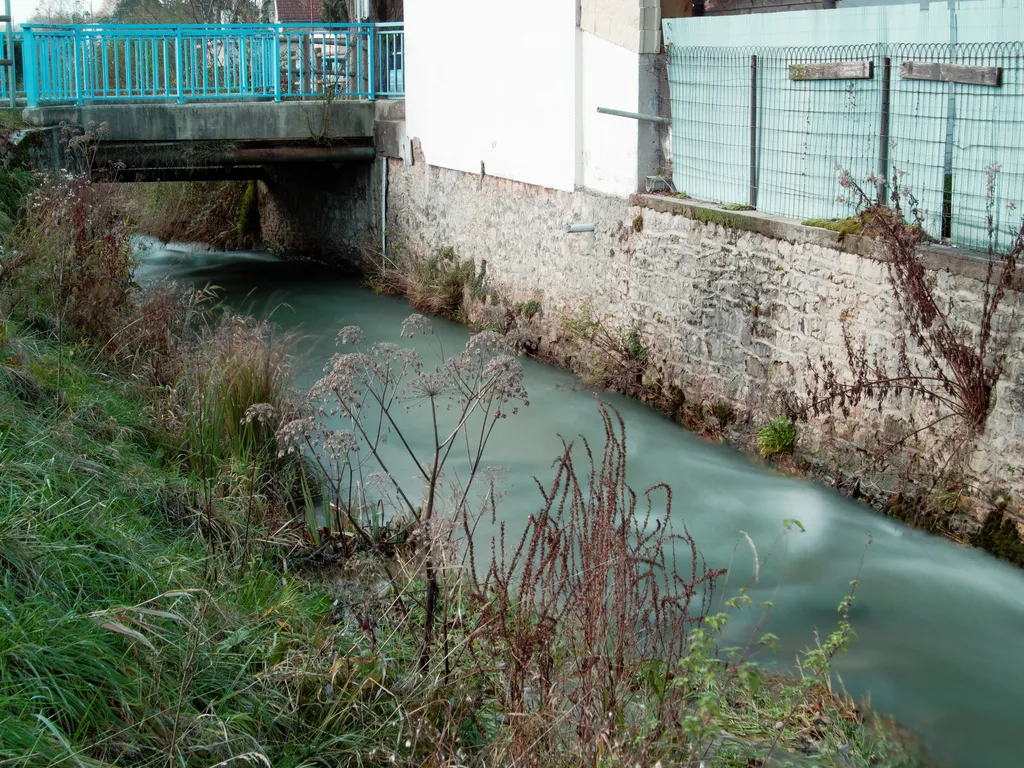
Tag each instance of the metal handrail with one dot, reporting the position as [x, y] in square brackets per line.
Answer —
[80, 63]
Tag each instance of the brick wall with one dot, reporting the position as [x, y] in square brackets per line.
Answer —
[320, 211]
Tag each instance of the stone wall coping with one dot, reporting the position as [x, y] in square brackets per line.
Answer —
[965, 262]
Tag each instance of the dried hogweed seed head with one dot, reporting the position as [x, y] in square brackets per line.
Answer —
[261, 413]
[350, 334]
[414, 324]
[291, 437]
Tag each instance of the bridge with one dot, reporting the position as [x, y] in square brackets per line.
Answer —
[240, 95]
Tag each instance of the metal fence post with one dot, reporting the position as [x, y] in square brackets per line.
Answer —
[753, 132]
[28, 62]
[306, 79]
[278, 33]
[178, 68]
[243, 74]
[883, 131]
[8, 60]
[371, 64]
[77, 60]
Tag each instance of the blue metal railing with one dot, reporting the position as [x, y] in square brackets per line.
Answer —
[202, 62]
[19, 85]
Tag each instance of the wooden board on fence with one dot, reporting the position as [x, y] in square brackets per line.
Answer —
[836, 70]
[952, 73]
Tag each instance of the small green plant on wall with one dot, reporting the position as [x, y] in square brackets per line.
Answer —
[777, 438]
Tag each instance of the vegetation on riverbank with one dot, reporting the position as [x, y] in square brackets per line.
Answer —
[221, 214]
[180, 589]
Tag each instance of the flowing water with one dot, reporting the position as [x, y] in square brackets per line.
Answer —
[939, 627]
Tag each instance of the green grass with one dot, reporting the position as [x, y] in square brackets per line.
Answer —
[776, 438]
[125, 638]
[11, 119]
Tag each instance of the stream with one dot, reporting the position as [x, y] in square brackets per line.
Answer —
[939, 627]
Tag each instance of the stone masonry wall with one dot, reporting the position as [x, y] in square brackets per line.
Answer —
[727, 313]
[321, 211]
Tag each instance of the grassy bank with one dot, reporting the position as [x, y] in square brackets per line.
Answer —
[127, 637]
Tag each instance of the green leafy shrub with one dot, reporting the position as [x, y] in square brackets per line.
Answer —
[999, 536]
[777, 438]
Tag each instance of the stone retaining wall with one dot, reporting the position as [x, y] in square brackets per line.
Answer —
[321, 211]
[733, 307]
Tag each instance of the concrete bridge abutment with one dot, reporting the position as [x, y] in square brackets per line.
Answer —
[332, 212]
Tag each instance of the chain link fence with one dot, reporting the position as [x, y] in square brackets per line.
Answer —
[769, 128]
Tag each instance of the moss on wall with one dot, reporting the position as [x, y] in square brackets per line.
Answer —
[999, 535]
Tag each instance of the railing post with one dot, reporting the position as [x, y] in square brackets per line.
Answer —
[9, 77]
[77, 60]
[177, 62]
[277, 64]
[400, 64]
[883, 131]
[753, 132]
[31, 72]
[305, 62]
[243, 75]
[371, 63]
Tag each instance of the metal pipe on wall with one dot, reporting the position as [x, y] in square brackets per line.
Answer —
[634, 115]
[383, 210]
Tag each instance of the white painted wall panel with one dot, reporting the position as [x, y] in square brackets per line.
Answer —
[494, 83]
[973, 21]
[610, 78]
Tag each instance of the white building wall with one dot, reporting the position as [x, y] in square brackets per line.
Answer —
[512, 90]
[609, 78]
[494, 84]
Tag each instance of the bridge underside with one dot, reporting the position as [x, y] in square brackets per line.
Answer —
[218, 160]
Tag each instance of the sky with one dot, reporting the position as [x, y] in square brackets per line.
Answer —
[22, 9]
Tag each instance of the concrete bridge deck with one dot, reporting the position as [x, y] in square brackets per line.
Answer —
[223, 121]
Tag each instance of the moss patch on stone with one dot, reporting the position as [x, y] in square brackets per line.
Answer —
[1000, 537]
[248, 223]
[851, 225]
[719, 216]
